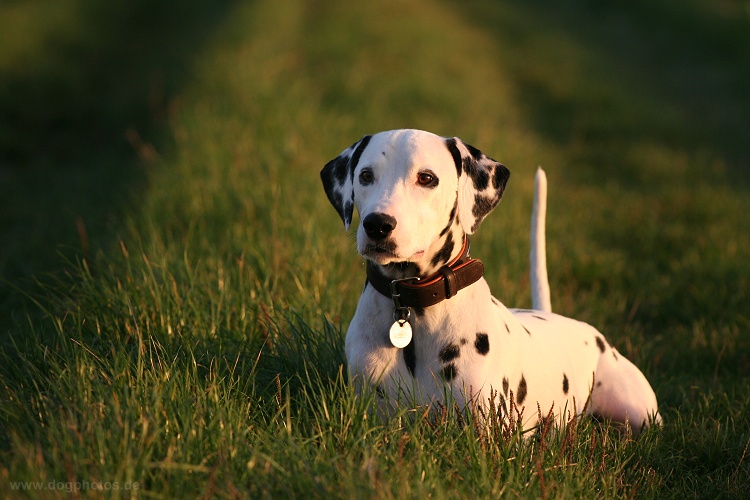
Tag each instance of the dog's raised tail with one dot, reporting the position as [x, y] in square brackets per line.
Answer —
[540, 299]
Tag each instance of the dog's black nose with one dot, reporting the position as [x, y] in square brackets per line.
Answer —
[378, 226]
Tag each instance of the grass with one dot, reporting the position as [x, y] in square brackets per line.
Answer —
[175, 286]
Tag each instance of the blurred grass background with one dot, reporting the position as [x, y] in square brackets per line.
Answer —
[174, 283]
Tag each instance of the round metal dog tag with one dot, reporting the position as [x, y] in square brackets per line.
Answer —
[400, 334]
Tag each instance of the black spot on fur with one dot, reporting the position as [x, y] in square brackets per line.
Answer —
[410, 357]
[451, 218]
[614, 355]
[527, 330]
[483, 205]
[338, 169]
[449, 372]
[506, 385]
[333, 176]
[337, 200]
[357, 154]
[566, 386]
[495, 301]
[479, 176]
[539, 317]
[507, 328]
[474, 152]
[463, 341]
[600, 344]
[406, 268]
[449, 353]
[500, 177]
[455, 153]
[521, 392]
[444, 254]
[482, 344]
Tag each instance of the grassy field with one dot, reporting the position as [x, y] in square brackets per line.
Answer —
[175, 286]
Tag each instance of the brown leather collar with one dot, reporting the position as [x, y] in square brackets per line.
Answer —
[444, 284]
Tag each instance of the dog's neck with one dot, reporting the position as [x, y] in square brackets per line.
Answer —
[455, 275]
[445, 251]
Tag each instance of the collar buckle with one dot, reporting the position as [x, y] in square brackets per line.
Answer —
[400, 312]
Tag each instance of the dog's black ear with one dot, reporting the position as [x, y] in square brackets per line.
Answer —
[481, 183]
[338, 179]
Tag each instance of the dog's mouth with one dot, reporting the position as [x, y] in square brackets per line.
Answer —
[385, 252]
[380, 250]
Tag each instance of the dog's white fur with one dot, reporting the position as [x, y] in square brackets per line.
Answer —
[436, 191]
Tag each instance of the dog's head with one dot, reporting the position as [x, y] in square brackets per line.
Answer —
[417, 195]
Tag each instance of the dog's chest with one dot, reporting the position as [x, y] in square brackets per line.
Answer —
[455, 343]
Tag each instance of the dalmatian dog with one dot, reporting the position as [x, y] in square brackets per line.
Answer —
[427, 328]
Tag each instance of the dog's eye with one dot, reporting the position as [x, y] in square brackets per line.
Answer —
[366, 177]
[427, 179]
